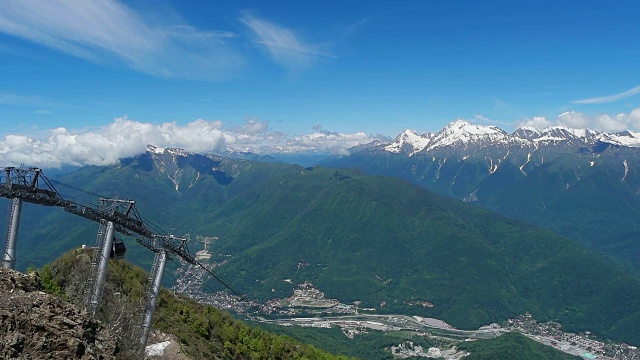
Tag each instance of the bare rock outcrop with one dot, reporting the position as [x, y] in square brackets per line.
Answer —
[36, 325]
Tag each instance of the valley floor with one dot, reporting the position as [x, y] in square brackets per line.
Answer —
[308, 308]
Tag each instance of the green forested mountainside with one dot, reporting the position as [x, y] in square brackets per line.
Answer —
[594, 206]
[590, 196]
[204, 332]
[378, 240]
[381, 240]
[512, 346]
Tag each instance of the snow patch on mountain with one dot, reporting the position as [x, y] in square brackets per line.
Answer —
[625, 138]
[155, 149]
[171, 151]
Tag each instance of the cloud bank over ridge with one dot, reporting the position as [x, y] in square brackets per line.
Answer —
[600, 122]
[125, 137]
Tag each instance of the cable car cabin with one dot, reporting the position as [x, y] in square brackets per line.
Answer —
[118, 250]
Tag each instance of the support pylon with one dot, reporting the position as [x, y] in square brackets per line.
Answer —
[155, 280]
[102, 262]
[13, 223]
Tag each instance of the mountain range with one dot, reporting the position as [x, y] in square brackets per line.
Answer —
[580, 183]
[379, 240]
[465, 136]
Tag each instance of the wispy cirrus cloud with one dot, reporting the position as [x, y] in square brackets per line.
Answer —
[285, 47]
[609, 98]
[109, 32]
[24, 100]
[479, 118]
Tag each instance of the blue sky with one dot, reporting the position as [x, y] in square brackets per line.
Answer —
[306, 70]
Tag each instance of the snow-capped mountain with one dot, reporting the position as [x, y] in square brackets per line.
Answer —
[459, 157]
[456, 134]
[463, 135]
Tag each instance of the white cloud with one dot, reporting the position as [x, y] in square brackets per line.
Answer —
[336, 143]
[599, 122]
[107, 31]
[285, 47]
[124, 138]
[536, 121]
[634, 119]
[106, 145]
[253, 127]
[609, 98]
[619, 122]
[247, 138]
[197, 136]
[608, 123]
[574, 119]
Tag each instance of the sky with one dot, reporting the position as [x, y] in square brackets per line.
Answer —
[86, 82]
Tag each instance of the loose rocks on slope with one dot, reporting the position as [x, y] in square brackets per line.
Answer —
[36, 325]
